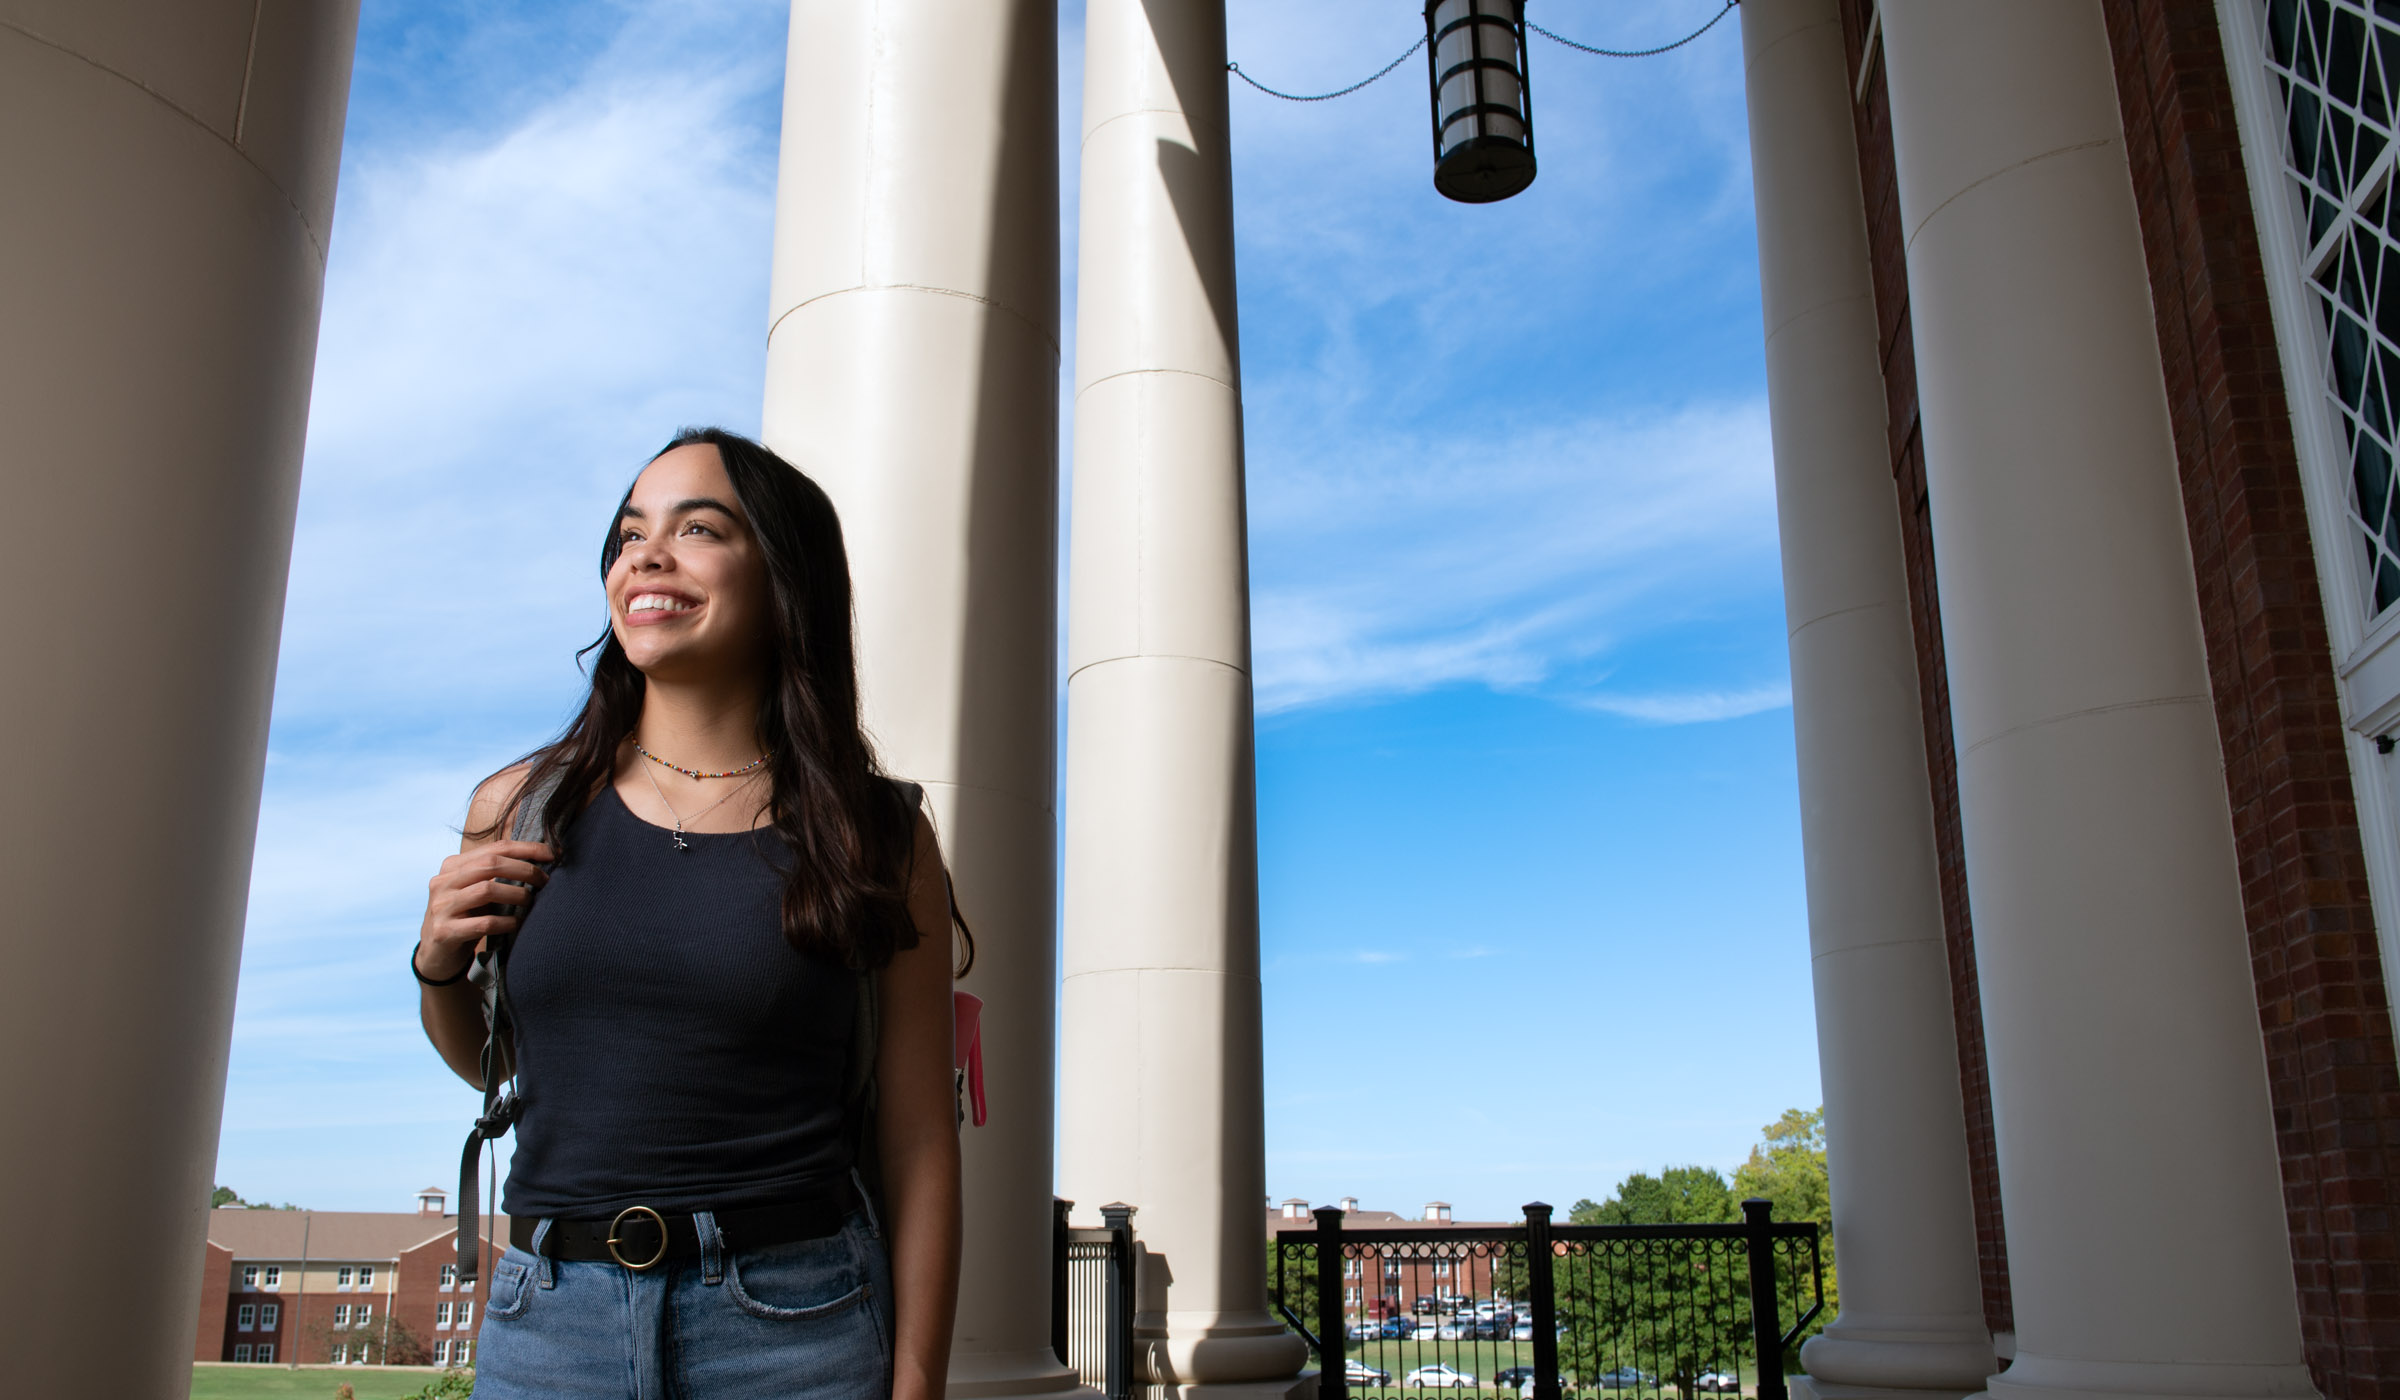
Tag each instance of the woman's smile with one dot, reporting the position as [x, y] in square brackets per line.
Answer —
[650, 607]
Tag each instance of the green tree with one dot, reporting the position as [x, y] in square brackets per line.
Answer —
[1653, 1304]
[1787, 1170]
[223, 1196]
[1296, 1285]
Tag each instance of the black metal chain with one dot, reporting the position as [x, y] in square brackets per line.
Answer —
[1637, 53]
[1236, 69]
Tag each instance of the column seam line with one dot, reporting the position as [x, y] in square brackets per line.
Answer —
[1838, 612]
[1789, 35]
[981, 787]
[1933, 943]
[2085, 712]
[1818, 307]
[994, 303]
[1137, 112]
[1242, 671]
[1160, 369]
[306, 231]
[2011, 168]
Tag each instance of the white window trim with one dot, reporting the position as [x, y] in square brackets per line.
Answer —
[2366, 653]
[270, 1316]
[245, 1318]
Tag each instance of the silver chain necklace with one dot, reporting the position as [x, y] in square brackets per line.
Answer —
[680, 843]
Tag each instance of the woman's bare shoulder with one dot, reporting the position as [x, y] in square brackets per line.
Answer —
[490, 803]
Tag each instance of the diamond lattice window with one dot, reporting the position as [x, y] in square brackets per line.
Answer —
[2337, 66]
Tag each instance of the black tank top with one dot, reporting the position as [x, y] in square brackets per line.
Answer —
[672, 1049]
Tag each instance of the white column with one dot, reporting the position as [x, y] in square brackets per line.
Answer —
[2146, 1239]
[1161, 1091]
[168, 174]
[1895, 1125]
[912, 369]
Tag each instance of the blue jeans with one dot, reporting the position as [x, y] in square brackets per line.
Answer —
[809, 1320]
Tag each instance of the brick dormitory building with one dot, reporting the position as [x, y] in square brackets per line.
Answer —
[346, 1287]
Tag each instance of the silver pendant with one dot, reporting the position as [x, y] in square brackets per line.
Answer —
[680, 844]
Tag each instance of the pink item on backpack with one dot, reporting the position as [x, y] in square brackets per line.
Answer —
[966, 1041]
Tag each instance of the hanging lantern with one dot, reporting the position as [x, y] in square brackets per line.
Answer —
[1482, 111]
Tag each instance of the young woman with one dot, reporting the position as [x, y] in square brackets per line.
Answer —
[721, 862]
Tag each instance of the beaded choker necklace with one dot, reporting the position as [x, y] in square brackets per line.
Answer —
[752, 766]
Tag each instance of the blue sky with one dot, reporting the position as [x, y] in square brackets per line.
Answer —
[1531, 894]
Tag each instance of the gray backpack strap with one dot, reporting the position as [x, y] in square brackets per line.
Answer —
[499, 1059]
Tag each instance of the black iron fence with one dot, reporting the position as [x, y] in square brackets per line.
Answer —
[1091, 1299]
[1550, 1311]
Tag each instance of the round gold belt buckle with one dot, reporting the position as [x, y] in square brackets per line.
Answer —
[656, 1219]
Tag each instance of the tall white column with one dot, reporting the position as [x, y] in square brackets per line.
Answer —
[1895, 1124]
[168, 168]
[2146, 1239]
[1161, 1091]
[912, 369]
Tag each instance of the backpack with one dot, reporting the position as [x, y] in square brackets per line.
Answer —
[498, 1062]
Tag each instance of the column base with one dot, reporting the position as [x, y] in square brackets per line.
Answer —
[1900, 1355]
[1300, 1387]
[1810, 1388]
[2034, 1377]
[989, 1375]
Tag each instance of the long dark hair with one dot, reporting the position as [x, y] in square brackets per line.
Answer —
[849, 832]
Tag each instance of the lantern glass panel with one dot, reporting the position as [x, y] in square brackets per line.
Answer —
[1482, 128]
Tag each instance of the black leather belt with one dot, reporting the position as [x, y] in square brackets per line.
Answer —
[640, 1238]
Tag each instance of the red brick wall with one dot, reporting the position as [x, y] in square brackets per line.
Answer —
[2321, 998]
[1885, 245]
[216, 1279]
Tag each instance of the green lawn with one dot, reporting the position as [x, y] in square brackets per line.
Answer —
[306, 1383]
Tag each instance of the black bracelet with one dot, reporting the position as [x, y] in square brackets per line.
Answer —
[450, 981]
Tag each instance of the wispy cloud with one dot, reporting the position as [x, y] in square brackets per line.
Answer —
[1696, 707]
[1398, 563]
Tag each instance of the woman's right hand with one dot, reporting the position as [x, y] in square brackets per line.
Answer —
[457, 913]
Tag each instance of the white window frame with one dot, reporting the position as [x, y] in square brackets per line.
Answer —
[441, 1352]
[272, 1279]
[441, 1315]
[364, 1317]
[341, 1277]
[249, 1278]
[466, 1312]
[341, 1314]
[340, 1355]
[2366, 649]
[241, 1352]
[245, 1318]
[463, 1354]
[270, 1316]
[366, 1276]
[449, 1277]
[265, 1355]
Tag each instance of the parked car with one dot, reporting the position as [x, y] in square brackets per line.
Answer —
[1439, 1377]
[1358, 1372]
[1366, 1329]
[1513, 1377]
[1523, 1331]
[1624, 1378]
[1454, 1330]
[1720, 1383]
[1398, 1329]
